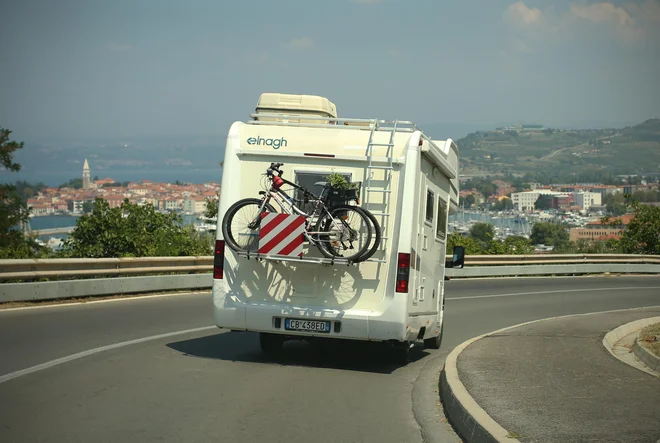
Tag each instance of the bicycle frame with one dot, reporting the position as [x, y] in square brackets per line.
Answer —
[284, 201]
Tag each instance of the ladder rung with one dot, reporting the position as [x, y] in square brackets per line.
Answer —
[376, 260]
[384, 214]
[381, 144]
[387, 191]
[380, 167]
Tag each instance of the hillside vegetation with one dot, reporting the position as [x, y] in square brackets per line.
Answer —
[631, 150]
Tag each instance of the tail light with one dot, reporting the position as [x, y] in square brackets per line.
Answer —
[219, 260]
[402, 272]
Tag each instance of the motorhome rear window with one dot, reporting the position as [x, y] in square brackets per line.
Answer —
[308, 180]
[442, 220]
[429, 205]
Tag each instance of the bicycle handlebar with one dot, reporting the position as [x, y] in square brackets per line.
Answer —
[274, 167]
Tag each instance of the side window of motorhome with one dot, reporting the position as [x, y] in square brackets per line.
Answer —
[442, 219]
[308, 181]
[429, 206]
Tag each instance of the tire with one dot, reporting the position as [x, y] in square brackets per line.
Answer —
[227, 230]
[271, 344]
[434, 342]
[324, 241]
[376, 234]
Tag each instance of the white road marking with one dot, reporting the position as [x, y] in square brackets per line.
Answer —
[47, 305]
[89, 352]
[553, 292]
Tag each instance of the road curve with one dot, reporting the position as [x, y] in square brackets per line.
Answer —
[212, 385]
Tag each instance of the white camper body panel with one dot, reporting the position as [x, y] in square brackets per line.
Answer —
[362, 297]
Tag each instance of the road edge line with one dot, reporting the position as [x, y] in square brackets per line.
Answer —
[68, 358]
[470, 420]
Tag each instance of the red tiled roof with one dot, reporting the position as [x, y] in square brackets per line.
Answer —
[625, 219]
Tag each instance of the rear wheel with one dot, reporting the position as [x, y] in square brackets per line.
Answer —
[240, 225]
[345, 233]
[434, 342]
[376, 234]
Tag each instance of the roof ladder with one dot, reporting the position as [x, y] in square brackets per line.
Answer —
[384, 172]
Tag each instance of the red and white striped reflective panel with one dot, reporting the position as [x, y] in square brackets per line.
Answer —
[281, 234]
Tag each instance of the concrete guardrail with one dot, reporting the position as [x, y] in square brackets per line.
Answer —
[117, 276]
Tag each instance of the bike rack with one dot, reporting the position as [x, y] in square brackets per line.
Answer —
[274, 257]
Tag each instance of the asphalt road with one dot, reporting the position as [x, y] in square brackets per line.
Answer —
[212, 385]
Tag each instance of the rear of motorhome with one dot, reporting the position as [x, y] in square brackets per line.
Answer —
[407, 181]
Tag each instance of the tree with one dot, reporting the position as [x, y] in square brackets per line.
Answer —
[75, 183]
[469, 200]
[27, 190]
[471, 246]
[642, 235]
[516, 244]
[543, 203]
[13, 210]
[87, 206]
[615, 204]
[504, 204]
[551, 234]
[211, 210]
[132, 231]
[482, 231]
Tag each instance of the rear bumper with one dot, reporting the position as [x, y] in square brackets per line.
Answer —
[381, 325]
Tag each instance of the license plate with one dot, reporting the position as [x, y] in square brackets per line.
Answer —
[291, 324]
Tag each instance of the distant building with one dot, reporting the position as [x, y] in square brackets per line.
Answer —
[524, 201]
[86, 176]
[169, 204]
[194, 205]
[586, 200]
[597, 231]
[114, 201]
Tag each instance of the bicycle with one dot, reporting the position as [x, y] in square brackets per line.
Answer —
[328, 226]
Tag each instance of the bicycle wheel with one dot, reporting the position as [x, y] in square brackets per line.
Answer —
[344, 232]
[376, 235]
[240, 225]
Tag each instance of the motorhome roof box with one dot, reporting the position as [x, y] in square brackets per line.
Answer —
[295, 105]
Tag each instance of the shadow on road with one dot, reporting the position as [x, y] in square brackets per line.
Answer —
[345, 355]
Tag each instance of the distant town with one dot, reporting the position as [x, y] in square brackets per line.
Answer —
[166, 197]
[578, 206]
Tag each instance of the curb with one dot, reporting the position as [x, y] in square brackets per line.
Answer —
[651, 360]
[618, 333]
[472, 422]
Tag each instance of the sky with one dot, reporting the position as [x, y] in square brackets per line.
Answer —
[88, 68]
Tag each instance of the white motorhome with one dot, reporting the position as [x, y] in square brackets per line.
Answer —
[408, 182]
